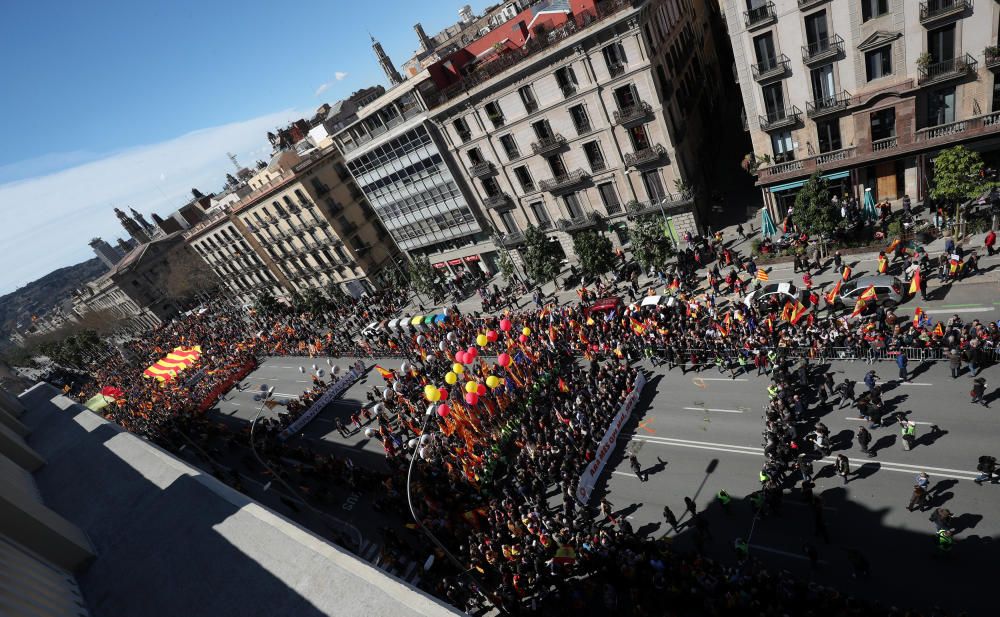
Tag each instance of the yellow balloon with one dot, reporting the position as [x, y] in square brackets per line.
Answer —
[481, 340]
[470, 386]
[437, 395]
[430, 391]
[450, 378]
[492, 381]
[526, 331]
[458, 368]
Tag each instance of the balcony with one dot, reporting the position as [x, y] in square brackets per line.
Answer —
[322, 190]
[822, 50]
[991, 55]
[670, 204]
[760, 16]
[579, 223]
[933, 11]
[564, 182]
[828, 105]
[633, 114]
[500, 201]
[770, 68]
[646, 156]
[779, 118]
[482, 170]
[616, 70]
[568, 89]
[960, 129]
[465, 136]
[582, 128]
[883, 145]
[946, 70]
[512, 239]
[548, 144]
[805, 5]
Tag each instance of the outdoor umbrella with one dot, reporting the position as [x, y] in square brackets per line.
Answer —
[767, 228]
[868, 212]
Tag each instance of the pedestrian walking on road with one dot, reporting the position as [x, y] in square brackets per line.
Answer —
[987, 465]
[908, 432]
[901, 362]
[846, 390]
[864, 440]
[955, 362]
[843, 467]
[917, 499]
[668, 515]
[633, 462]
[979, 391]
[870, 379]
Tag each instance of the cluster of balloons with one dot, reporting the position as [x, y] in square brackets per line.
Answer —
[468, 356]
[434, 394]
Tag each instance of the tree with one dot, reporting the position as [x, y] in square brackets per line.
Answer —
[506, 266]
[312, 302]
[424, 277]
[266, 304]
[651, 246]
[814, 213]
[594, 250]
[542, 260]
[958, 175]
[335, 293]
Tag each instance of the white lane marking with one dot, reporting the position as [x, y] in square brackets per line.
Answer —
[985, 309]
[285, 395]
[915, 383]
[712, 409]
[959, 474]
[625, 473]
[863, 420]
[785, 553]
[722, 379]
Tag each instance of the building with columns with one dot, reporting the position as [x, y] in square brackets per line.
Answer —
[864, 92]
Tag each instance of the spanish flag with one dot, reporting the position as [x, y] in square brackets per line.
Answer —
[869, 294]
[883, 265]
[938, 330]
[798, 312]
[915, 283]
[762, 275]
[858, 307]
[917, 314]
[386, 375]
[786, 313]
[562, 385]
[832, 296]
[637, 327]
[675, 284]
[847, 273]
[892, 247]
[583, 338]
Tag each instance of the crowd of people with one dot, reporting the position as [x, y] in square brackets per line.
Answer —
[490, 440]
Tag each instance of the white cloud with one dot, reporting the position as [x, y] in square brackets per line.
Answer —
[339, 75]
[322, 88]
[48, 220]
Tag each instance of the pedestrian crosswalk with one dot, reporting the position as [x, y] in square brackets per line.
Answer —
[372, 553]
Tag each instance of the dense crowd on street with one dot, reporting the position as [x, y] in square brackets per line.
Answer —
[499, 412]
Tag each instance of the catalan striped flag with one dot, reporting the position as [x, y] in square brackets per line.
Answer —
[762, 275]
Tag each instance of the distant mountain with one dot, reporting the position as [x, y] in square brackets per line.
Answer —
[38, 297]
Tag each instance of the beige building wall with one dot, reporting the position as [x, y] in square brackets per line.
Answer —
[228, 252]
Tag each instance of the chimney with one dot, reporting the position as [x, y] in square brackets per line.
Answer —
[425, 43]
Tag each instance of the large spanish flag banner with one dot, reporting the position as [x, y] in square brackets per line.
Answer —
[175, 361]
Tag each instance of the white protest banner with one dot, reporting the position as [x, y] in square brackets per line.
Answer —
[588, 480]
[334, 391]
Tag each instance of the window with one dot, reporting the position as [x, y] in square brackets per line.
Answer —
[614, 58]
[494, 113]
[507, 218]
[580, 119]
[524, 178]
[491, 187]
[871, 9]
[878, 62]
[781, 146]
[540, 214]
[996, 94]
[941, 106]
[883, 123]
[542, 129]
[763, 47]
[822, 84]
[829, 135]
[567, 80]
[817, 34]
[462, 129]
[609, 197]
[941, 44]
[528, 98]
[626, 97]
[475, 157]
[594, 157]
[573, 207]
[640, 141]
[556, 165]
[509, 147]
[654, 185]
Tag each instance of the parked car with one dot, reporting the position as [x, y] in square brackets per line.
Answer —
[604, 305]
[777, 293]
[889, 291]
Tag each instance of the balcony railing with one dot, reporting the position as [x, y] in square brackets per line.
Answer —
[770, 68]
[512, 239]
[948, 69]
[881, 145]
[578, 223]
[582, 128]
[645, 156]
[955, 129]
[500, 201]
[835, 155]
[760, 16]
[548, 144]
[616, 70]
[633, 113]
[482, 169]
[565, 181]
[779, 118]
[823, 49]
[808, 4]
[831, 104]
[992, 57]
[568, 89]
[669, 204]
[933, 10]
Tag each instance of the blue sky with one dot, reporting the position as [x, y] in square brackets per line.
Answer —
[132, 103]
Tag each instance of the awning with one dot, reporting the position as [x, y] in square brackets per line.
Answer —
[650, 300]
[837, 175]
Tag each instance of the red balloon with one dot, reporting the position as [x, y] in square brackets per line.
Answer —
[471, 398]
[481, 389]
[471, 353]
[492, 336]
[523, 338]
[505, 324]
[460, 357]
[444, 393]
[443, 411]
[503, 359]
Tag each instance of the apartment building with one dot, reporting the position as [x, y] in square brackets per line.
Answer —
[304, 225]
[575, 115]
[865, 92]
[403, 165]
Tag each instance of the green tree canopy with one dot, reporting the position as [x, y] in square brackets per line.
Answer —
[651, 246]
[506, 266]
[814, 212]
[957, 174]
[424, 277]
[266, 304]
[541, 258]
[594, 250]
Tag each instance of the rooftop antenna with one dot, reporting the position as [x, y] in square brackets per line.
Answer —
[232, 157]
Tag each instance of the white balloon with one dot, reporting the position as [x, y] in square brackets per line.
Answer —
[329, 362]
[302, 370]
[447, 312]
[405, 366]
[442, 346]
[411, 443]
[423, 453]
[387, 393]
[320, 372]
[424, 438]
[376, 408]
[421, 339]
[335, 370]
[369, 432]
[452, 336]
[397, 387]
[314, 367]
